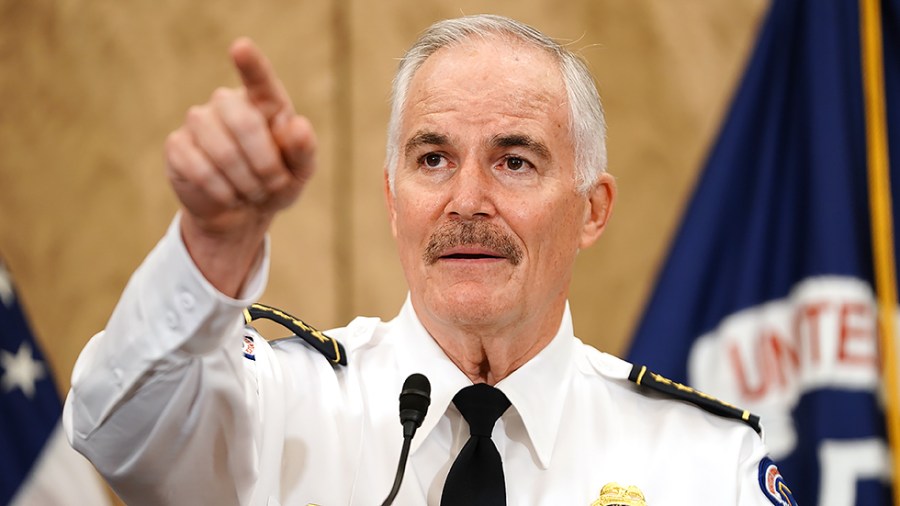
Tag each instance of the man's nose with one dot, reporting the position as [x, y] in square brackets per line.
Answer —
[471, 192]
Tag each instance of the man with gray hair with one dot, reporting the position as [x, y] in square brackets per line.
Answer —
[495, 178]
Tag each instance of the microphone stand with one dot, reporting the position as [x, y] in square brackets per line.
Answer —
[414, 400]
[401, 469]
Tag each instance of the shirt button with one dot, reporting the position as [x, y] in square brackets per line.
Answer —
[187, 301]
[171, 320]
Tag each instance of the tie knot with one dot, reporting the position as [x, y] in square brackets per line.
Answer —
[481, 405]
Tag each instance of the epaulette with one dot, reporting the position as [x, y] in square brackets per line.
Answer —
[650, 380]
[327, 346]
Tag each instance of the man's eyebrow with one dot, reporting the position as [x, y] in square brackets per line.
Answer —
[426, 138]
[522, 141]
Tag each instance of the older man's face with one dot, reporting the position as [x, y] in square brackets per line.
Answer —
[485, 211]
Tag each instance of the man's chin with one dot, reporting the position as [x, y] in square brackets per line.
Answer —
[468, 307]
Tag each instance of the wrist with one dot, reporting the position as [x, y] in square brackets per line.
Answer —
[225, 255]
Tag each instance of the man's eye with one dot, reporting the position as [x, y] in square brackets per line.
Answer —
[433, 160]
[515, 163]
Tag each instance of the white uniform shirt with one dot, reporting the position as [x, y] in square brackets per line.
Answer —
[168, 407]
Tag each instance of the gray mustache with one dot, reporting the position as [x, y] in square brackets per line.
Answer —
[471, 233]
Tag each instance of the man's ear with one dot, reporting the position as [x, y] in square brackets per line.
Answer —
[389, 198]
[598, 209]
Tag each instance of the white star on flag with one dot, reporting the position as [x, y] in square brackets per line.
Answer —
[20, 370]
[7, 295]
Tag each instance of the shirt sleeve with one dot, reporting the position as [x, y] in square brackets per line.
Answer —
[761, 482]
[160, 401]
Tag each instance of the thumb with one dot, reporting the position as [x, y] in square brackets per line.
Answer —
[297, 142]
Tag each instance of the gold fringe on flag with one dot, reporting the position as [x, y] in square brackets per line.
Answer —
[882, 220]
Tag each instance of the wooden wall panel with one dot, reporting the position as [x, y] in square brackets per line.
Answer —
[96, 86]
[92, 88]
[667, 71]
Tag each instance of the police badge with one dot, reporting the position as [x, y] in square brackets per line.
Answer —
[613, 494]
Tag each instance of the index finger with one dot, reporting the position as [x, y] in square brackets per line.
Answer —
[264, 89]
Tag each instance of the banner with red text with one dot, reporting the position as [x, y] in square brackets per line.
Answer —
[766, 299]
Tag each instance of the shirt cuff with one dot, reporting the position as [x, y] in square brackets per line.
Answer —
[190, 304]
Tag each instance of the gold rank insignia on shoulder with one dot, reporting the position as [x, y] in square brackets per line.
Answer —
[647, 379]
[613, 494]
[328, 346]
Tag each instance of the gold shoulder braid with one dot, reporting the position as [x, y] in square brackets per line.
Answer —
[643, 377]
[325, 345]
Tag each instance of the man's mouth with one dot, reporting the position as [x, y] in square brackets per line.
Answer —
[471, 241]
[470, 254]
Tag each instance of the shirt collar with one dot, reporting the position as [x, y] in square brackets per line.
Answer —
[421, 353]
[537, 390]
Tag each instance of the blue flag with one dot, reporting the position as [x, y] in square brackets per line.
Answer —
[36, 464]
[766, 299]
[28, 398]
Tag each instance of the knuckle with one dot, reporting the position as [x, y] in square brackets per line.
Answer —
[245, 125]
[306, 143]
[222, 93]
[209, 181]
[269, 175]
[277, 181]
[173, 141]
[227, 156]
[196, 114]
[176, 144]
[204, 177]
[303, 123]
[257, 195]
[303, 134]
[268, 169]
[174, 164]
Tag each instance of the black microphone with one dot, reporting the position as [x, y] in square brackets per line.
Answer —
[414, 400]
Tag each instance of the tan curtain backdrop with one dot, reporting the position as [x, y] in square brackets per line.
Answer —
[90, 90]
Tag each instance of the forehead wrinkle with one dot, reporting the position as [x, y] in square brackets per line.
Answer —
[523, 141]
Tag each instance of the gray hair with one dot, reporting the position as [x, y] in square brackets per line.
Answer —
[587, 125]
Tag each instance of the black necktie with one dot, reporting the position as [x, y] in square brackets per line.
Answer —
[476, 477]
